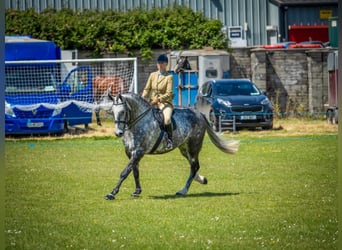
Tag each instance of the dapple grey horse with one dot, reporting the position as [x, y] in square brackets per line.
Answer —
[136, 121]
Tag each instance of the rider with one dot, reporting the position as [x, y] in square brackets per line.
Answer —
[159, 92]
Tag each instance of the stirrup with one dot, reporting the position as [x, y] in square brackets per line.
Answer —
[169, 144]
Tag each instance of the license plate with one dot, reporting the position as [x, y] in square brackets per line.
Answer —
[248, 117]
[35, 124]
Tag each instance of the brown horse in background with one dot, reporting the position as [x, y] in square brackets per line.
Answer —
[106, 84]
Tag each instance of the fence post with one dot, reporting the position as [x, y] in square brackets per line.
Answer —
[234, 125]
[219, 122]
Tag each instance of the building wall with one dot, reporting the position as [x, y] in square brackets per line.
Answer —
[295, 79]
[299, 14]
[309, 15]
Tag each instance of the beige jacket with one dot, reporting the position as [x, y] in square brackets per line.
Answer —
[160, 86]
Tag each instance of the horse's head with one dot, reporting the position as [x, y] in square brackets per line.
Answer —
[182, 64]
[121, 113]
[128, 109]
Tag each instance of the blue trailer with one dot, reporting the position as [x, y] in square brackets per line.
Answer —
[202, 65]
[37, 99]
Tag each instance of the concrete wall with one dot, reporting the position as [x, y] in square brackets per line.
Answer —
[296, 80]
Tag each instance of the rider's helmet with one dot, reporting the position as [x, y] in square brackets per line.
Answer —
[162, 58]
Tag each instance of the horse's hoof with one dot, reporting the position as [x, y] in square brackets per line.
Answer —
[183, 191]
[180, 193]
[135, 195]
[109, 197]
[205, 181]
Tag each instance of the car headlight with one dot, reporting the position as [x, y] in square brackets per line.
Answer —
[224, 102]
[265, 101]
[56, 111]
[8, 110]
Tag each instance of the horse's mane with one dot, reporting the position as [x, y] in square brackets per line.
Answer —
[136, 99]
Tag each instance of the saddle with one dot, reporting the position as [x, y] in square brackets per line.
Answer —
[159, 116]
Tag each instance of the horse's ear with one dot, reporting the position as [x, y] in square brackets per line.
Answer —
[119, 98]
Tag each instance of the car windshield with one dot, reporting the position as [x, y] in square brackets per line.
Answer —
[236, 88]
[21, 80]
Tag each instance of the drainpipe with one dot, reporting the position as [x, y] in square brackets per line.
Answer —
[286, 28]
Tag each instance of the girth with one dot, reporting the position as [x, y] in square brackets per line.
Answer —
[159, 116]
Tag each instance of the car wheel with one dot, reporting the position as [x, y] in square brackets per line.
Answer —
[214, 121]
[267, 127]
[329, 116]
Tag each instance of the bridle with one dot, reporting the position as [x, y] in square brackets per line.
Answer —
[124, 121]
[127, 119]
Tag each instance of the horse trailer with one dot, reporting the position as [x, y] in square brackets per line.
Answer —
[332, 105]
[36, 91]
[192, 68]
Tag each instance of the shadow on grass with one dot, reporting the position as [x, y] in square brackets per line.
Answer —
[205, 194]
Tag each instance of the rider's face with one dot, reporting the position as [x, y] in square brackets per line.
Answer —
[161, 66]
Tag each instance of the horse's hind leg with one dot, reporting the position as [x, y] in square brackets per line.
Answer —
[201, 179]
[194, 166]
[192, 158]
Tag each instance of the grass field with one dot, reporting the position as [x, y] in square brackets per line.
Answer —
[277, 192]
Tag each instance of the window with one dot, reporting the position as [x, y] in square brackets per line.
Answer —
[30, 80]
[211, 73]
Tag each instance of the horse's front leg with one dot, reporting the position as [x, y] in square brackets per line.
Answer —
[98, 118]
[137, 181]
[132, 164]
[97, 110]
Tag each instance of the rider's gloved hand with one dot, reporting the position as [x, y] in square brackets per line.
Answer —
[155, 100]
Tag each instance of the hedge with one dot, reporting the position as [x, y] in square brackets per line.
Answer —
[172, 28]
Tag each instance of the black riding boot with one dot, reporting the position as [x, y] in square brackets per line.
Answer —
[168, 129]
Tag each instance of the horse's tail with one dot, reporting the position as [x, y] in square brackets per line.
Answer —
[227, 146]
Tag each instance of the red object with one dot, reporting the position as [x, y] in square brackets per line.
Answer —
[275, 46]
[298, 46]
[301, 33]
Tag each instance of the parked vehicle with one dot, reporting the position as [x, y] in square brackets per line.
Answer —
[234, 103]
[39, 96]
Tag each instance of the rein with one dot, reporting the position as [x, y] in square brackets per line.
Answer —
[138, 118]
[132, 123]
